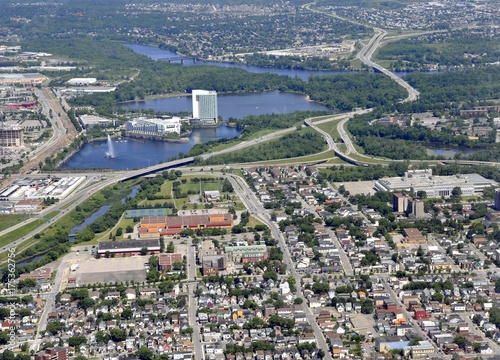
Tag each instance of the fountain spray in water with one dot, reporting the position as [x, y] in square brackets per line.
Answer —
[111, 151]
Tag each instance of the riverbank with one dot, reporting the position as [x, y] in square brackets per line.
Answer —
[156, 138]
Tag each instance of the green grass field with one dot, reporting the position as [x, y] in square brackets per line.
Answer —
[8, 220]
[19, 233]
[331, 128]
[326, 155]
[205, 186]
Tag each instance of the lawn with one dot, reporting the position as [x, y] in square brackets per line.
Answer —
[194, 188]
[253, 221]
[8, 220]
[123, 223]
[342, 147]
[166, 188]
[19, 233]
[331, 128]
[303, 159]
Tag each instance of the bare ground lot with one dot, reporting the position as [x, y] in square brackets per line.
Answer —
[112, 270]
[358, 187]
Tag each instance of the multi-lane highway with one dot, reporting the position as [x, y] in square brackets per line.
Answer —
[365, 56]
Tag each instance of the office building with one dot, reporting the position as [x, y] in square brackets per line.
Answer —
[416, 209]
[205, 106]
[400, 202]
[497, 199]
[11, 136]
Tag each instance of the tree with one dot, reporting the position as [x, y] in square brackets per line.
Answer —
[144, 251]
[54, 327]
[367, 306]
[497, 285]
[126, 314]
[255, 323]
[227, 186]
[144, 354]
[86, 303]
[117, 334]
[456, 192]
[421, 194]
[460, 341]
[76, 341]
[4, 337]
[270, 274]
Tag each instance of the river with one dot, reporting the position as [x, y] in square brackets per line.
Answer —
[156, 53]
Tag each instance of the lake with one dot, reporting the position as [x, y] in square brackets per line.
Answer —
[234, 105]
[448, 152]
[132, 154]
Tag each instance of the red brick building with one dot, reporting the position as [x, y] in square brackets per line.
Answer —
[55, 353]
[156, 226]
[166, 261]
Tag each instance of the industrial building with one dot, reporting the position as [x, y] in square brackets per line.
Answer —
[155, 127]
[80, 91]
[90, 121]
[11, 136]
[128, 247]
[22, 79]
[156, 226]
[28, 188]
[81, 81]
[435, 186]
[28, 206]
[247, 253]
[205, 108]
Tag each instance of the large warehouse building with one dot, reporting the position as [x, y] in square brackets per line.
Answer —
[128, 247]
[435, 186]
[22, 79]
[155, 226]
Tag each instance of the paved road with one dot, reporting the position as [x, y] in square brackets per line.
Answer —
[365, 56]
[406, 313]
[252, 204]
[199, 352]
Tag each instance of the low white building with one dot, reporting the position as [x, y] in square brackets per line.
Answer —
[156, 127]
[81, 81]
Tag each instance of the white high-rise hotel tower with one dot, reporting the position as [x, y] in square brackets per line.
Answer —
[205, 106]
